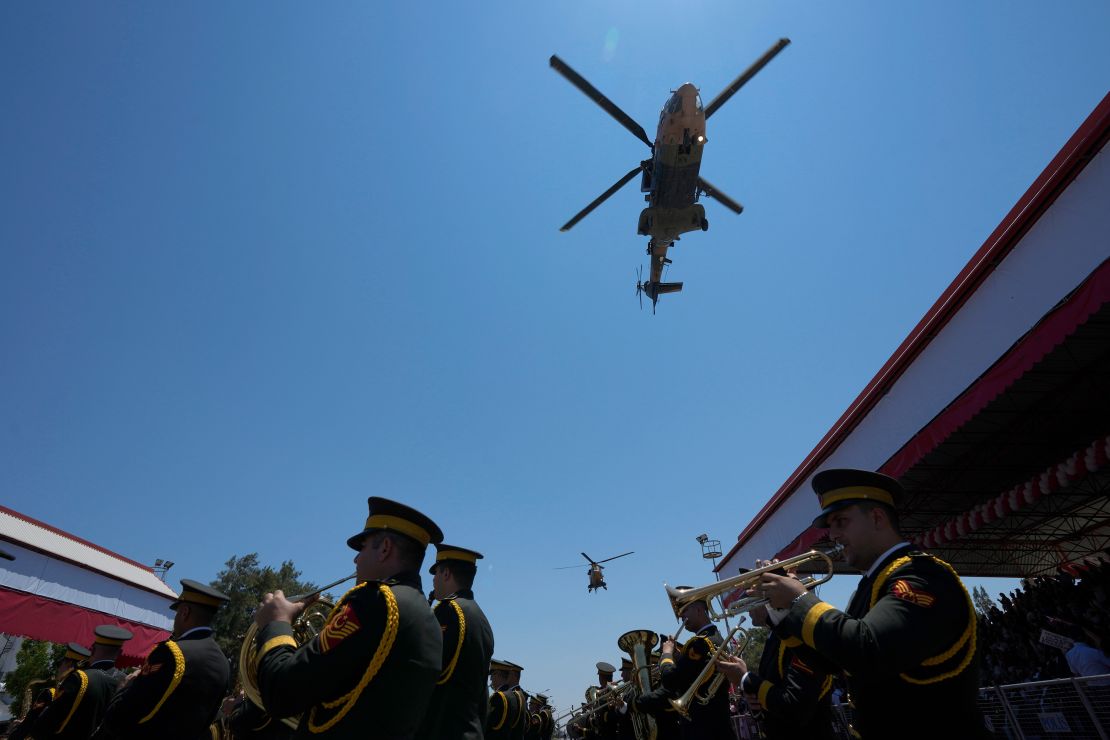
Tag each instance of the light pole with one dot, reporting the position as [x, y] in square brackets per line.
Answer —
[160, 568]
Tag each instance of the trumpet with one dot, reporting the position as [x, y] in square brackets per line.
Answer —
[682, 703]
[680, 598]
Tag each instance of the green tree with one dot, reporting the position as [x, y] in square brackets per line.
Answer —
[245, 581]
[36, 660]
[753, 651]
[983, 602]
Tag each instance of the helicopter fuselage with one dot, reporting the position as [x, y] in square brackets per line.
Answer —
[670, 181]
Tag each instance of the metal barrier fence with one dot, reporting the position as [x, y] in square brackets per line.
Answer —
[1077, 708]
[1066, 708]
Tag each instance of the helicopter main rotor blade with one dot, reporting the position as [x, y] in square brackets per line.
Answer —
[567, 567]
[601, 198]
[606, 560]
[746, 75]
[720, 197]
[588, 558]
[595, 95]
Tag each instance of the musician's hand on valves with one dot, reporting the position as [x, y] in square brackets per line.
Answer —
[780, 591]
[733, 669]
[276, 608]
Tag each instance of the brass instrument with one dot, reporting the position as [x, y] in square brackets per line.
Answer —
[682, 703]
[28, 695]
[680, 598]
[637, 643]
[305, 627]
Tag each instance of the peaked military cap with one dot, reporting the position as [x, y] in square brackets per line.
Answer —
[603, 667]
[396, 517]
[110, 634]
[501, 665]
[513, 666]
[77, 652]
[541, 698]
[627, 664]
[840, 487]
[452, 552]
[195, 592]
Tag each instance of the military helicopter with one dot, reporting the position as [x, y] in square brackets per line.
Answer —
[670, 178]
[596, 581]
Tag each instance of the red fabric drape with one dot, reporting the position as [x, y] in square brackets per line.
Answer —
[43, 619]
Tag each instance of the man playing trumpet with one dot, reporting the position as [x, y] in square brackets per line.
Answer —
[907, 639]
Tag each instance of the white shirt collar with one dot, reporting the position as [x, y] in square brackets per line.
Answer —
[874, 566]
[186, 633]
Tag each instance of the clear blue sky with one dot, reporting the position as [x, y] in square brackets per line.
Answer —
[263, 260]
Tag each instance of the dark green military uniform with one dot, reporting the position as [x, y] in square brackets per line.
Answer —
[545, 722]
[460, 700]
[178, 691]
[83, 696]
[506, 711]
[709, 721]
[248, 721]
[368, 674]
[457, 710]
[44, 721]
[23, 729]
[793, 686]
[176, 694]
[520, 725]
[907, 640]
[907, 643]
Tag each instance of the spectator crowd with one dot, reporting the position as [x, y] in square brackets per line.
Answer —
[1050, 627]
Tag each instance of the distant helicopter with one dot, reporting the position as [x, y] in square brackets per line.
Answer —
[596, 581]
[670, 178]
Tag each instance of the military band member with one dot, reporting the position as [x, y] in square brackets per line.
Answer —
[371, 670]
[458, 706]
[520, 727]
[178, 691]
[708, 721]
[606, 720]
[505, 706]
[789, 694]
[625, 727]
[666, 721]
[533, 731]
[75, 658]
[82, 698]
[907, 639]
[547, 720]
[31, 714]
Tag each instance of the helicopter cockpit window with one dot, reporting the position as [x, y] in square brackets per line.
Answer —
[675, 104]
[697, 101]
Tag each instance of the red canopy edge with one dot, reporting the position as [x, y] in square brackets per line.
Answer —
[1049, 332]
[1064, 167]
[40, 618]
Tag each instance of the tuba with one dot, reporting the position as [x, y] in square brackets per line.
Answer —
[305, 627]
[637, 643]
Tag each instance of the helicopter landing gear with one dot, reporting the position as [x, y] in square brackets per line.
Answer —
[705, 224]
